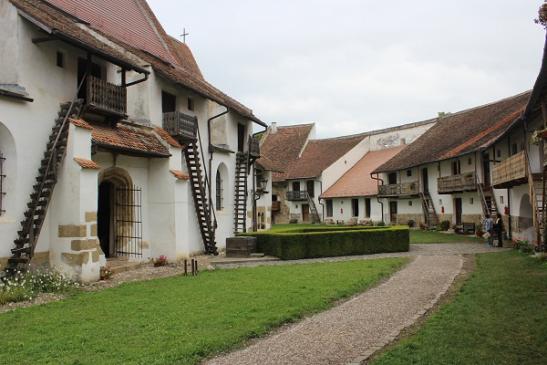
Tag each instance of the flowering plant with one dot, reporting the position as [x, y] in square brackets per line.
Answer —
[105, 273]
[160, 261]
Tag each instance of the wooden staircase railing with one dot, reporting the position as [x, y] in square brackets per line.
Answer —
[488, 202]
[313, 210]
[34, 216]
[428, 207]
[201, 200]
[240, 192]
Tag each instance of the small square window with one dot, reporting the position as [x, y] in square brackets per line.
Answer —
[501, 199]
[190, 104]
[470, 161]
[471, 201]
[408, 172]
[498, 153]
[410, 203]
[440, 202]
[60, 59]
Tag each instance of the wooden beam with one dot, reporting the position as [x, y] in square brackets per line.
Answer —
[43, 39]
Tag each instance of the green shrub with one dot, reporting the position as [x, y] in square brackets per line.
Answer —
[315, 242]
[445, 225]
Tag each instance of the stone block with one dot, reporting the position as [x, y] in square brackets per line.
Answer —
[93, 229]
[75, 259]
[91, 217]
[73, 230]
[81, 245]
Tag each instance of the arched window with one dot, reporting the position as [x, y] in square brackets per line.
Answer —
[2, 189]
[219, 191]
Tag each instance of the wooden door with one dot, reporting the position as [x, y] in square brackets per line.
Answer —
[393, 212]
[486, 169]
[305, 213]
[458, 210]
[425, 181]
[240, 138]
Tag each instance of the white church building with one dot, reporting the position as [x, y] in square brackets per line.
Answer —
[112, 144]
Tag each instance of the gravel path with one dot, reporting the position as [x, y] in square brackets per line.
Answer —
[352, 331]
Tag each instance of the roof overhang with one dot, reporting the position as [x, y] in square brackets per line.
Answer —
[56, 33]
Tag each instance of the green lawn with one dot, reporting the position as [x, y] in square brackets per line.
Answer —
[179, 320]
[498, 317]
[419, 236]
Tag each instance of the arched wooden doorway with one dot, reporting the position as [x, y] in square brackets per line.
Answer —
[119, 223]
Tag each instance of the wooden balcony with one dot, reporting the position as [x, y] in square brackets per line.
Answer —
[404, 189]
[457, 183]
[254, 147]
[297, 195]
[105, 98]
[181, 126]
[510, 172]
[276, 206]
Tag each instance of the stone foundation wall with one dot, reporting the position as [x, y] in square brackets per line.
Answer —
[404, 218]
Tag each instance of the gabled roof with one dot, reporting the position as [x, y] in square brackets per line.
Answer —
[357, 180]
[133, 30]
[279, 149]
[460, 133]
[320, 154]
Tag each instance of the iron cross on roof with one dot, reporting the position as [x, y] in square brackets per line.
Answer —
[184, 34]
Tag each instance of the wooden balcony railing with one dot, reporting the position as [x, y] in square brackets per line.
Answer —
[254, 147]
[403, 189]
[457, 183]
[297, 195]
[510, 172]
[106, 98]
[276, 206]
[181, 126]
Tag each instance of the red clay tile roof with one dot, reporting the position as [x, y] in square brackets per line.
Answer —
[185, 57]
[167, 137]
[81, 123]
[180, 175]
[126, 20]
[169, 59]
[137, 140]
[320, 154]
[279, 149]
[87, 164]
[63, 24]
[357, 181]
[460, 133]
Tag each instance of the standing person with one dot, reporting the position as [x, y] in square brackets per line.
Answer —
[498, 229]
[488, 226]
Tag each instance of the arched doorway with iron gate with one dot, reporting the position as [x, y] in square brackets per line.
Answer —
[119, 214]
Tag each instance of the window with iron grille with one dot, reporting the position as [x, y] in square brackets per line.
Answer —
[219, 191]
[2, 182]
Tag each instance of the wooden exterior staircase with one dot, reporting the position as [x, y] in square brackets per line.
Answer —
[314, 214]
[198, 182]
[240, 192]
[37, 207]
[488, 202]
[431, 218]
[536, 191]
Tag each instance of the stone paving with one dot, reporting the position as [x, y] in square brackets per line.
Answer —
[353, 331]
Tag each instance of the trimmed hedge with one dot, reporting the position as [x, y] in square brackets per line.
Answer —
[318, 242]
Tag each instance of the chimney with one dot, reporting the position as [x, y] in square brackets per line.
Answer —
[273, 128]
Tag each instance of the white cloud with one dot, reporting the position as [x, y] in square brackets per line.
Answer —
[352, 65]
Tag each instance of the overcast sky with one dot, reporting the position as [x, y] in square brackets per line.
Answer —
[356, 65]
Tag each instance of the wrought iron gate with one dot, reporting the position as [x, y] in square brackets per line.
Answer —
[128, 218]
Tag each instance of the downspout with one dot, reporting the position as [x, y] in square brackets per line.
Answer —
[211, 151]
[381, 182]
[255, 197]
